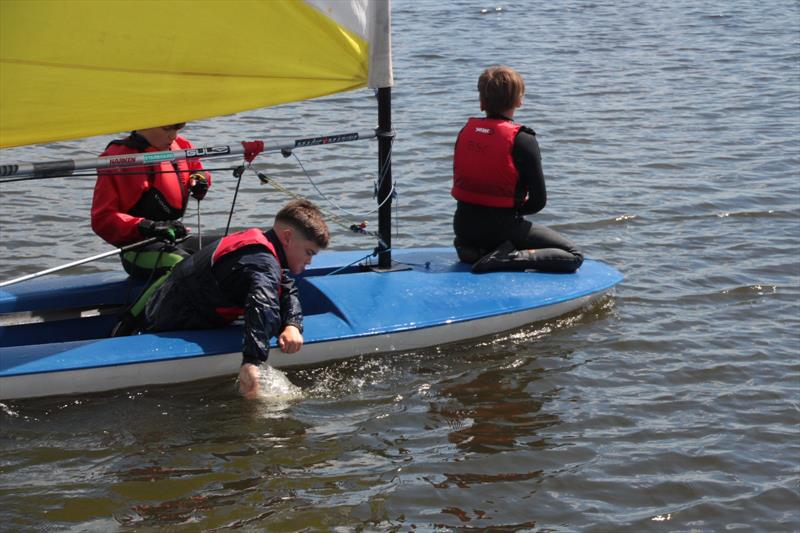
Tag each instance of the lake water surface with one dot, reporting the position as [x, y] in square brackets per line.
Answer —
[670, 134]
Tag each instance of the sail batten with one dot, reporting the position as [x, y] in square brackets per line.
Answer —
[82, 68]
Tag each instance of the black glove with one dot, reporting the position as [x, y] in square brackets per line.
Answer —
[169, 230]
[198, 186]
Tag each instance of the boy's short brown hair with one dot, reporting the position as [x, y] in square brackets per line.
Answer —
[500, 88]
[305, 217]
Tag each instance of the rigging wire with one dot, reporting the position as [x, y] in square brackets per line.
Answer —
[384, 168]
[334, 217]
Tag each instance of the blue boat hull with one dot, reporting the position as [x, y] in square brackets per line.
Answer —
[54, 333]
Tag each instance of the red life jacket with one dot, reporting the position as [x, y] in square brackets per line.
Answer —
[484, 172]
[231, 243]
[123, 197]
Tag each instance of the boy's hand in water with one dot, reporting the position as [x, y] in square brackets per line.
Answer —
[249, 381]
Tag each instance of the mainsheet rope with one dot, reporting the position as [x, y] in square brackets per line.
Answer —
[355, 228]
[384, 168]
[335, 218]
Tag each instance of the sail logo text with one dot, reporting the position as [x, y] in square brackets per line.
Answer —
[122, 161]
[157, 156]
[206, 152]
[487, 131]
[329, 139]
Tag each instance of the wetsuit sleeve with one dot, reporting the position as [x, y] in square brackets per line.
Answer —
[262, 309]
[291, 310]
[528, 160]
[109, 219]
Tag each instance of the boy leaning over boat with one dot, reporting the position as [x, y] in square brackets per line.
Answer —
[243, 274]
[132, 204]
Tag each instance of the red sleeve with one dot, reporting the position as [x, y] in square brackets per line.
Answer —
[114, 195]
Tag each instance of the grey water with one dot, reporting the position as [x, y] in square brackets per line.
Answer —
[670, 134]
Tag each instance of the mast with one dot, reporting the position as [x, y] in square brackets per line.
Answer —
[385, 138]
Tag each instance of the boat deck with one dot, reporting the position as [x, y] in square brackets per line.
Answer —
[433, 299]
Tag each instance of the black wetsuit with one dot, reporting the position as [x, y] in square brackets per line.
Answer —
[480, 229]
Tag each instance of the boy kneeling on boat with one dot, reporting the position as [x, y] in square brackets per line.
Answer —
[498, 181]
[243, 274]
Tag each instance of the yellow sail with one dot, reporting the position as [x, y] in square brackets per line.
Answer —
[77, 68]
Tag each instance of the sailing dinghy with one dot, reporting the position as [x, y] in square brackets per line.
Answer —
[54, 330]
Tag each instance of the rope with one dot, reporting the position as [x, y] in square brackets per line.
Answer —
[333, 217]
[384, 168]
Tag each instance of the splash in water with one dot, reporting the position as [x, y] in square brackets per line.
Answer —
[276, 391]
[7, 410]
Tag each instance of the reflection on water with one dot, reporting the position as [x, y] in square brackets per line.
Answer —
[492, 413]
